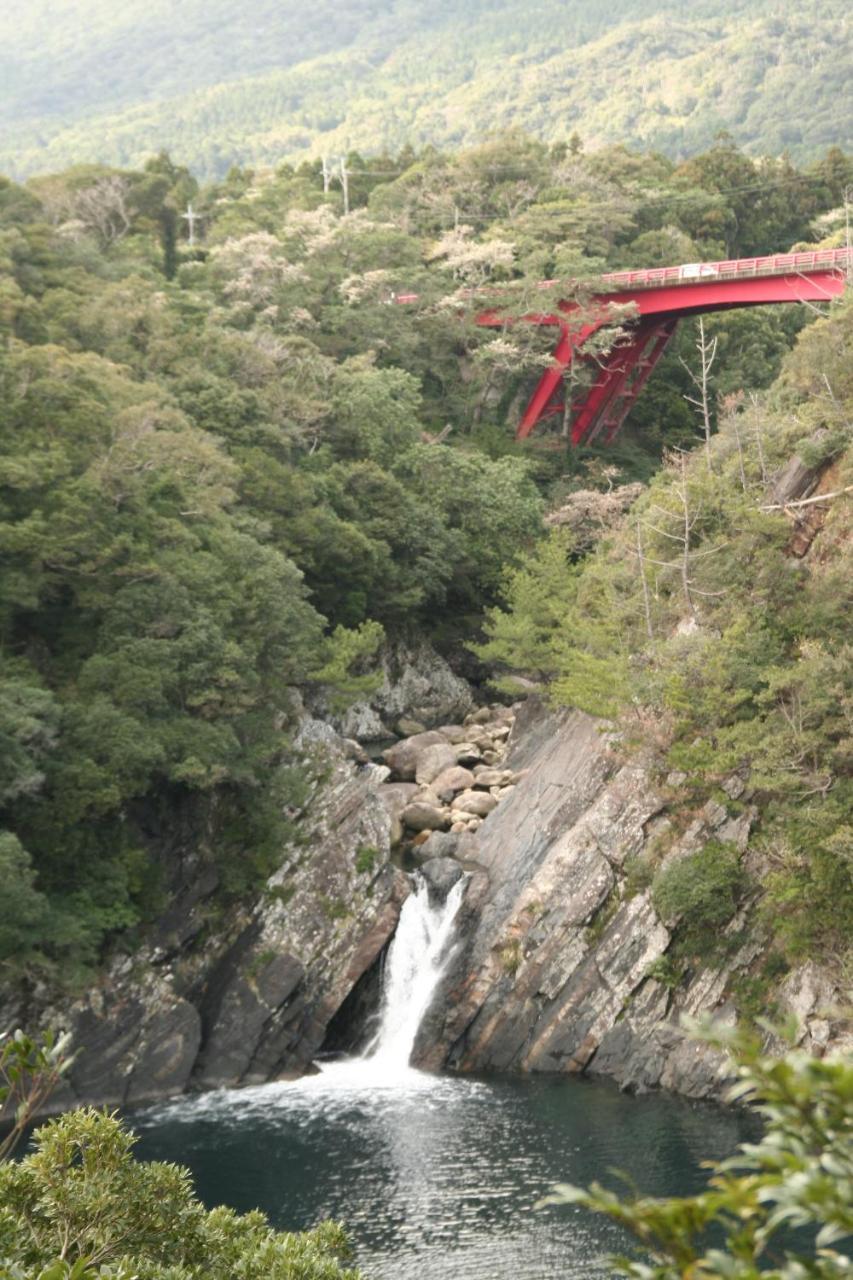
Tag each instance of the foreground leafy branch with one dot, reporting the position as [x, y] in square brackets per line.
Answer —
[799, 1175]
[29, 1072]
[82, 1206]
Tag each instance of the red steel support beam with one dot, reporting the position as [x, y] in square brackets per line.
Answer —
[610, 383]
[613, 420]
[551, 379]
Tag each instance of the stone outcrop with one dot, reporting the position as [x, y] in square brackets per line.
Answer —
[563, 964]
[417, 687]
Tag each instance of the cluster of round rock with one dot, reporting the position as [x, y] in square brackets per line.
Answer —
[450, 778]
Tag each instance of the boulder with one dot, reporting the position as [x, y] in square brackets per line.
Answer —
[407, 727]
[454, 733]
[420, 816]
[439, 844]
[441, 874]
[467, 753]
[451, 780]
[476, 803]
[433, 761]
[403, 757]
[395, 796]
[486, 777]
[481, 716]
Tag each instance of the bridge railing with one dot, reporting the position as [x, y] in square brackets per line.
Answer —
[737, 268]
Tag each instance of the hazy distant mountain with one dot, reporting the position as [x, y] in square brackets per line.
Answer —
[218, 82]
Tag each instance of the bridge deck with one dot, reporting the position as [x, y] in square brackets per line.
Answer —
[778, 264]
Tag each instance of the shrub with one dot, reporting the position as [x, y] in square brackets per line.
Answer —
[700, 893]
[365, 858]
[82, 1200]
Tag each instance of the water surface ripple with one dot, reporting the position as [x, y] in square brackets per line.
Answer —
[438, 1176]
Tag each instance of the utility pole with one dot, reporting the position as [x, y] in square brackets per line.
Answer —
[344, 175]
[327, 175]
[191, 218]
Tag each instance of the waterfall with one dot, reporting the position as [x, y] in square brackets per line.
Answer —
[417, 959]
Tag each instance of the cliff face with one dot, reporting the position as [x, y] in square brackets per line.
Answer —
[557, 968]
[247, 996]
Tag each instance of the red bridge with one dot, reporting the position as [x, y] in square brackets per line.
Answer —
[661, 296]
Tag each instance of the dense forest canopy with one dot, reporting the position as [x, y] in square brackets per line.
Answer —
[228, 468]
[95, 81]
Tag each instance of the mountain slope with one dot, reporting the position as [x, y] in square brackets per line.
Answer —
[91, 81]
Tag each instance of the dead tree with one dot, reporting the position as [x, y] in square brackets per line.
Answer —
[707, 351]
[682, 524]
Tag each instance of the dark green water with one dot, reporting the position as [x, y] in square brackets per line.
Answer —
[437, 1177]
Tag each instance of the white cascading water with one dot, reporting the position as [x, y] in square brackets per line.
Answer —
[417, 959]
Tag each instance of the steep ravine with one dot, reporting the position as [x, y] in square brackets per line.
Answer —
[561, 964]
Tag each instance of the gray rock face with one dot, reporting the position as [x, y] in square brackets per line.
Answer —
[136, 1045]
[556, 971]
[250, 1000]
[417, 684]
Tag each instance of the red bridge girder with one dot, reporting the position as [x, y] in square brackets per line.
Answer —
[661, 296]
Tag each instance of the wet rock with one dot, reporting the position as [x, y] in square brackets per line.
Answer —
[441, 874]
[250, 994]
[439, 844]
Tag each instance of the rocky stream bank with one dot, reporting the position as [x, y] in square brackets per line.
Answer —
[561, 961]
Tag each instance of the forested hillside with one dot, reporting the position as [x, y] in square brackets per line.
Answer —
[95, 81]
[226, 469]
